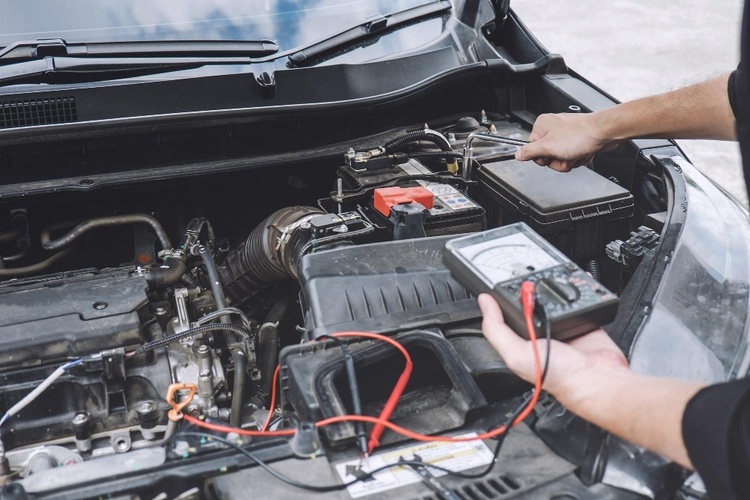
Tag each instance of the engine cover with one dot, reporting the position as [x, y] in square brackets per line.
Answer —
[44, 323]
[56, 320]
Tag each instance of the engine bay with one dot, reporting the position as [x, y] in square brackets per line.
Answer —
[223, 294]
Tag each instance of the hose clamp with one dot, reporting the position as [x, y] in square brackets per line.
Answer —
[287, 231]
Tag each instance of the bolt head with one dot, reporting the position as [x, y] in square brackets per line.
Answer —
[80, 418]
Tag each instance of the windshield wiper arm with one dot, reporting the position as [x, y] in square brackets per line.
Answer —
[78, 69]
[367, 29]
[39, 49]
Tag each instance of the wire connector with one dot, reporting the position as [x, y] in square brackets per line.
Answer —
[528, 297]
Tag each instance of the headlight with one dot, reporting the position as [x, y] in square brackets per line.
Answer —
[698, 323]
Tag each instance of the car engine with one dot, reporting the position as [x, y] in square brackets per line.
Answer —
[115, 308]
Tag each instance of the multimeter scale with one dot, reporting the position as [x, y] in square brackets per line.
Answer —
[497, 261]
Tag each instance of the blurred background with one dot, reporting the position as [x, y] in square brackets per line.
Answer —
[634, 48]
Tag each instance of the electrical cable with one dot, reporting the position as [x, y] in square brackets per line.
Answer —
[211, 327]
[527, 300]
[30, 397]
[222, 312]
[397, 391]
[272, 405]
[548, 336]
[351, 376]
[362, 475]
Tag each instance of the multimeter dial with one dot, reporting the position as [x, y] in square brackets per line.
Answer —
[512, 256]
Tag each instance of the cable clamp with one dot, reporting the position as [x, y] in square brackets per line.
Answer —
[175, 414]
[171, 253]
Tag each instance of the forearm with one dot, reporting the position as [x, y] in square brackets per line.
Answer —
[700, 111]
[641, 409]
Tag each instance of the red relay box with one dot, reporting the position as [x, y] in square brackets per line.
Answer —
[385, 198]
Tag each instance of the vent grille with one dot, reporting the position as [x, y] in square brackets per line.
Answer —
[484, 489]
[24, 113]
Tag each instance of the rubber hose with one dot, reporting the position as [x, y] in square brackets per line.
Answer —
[238, 390]
[269, 355]
[116, 220]
[12, 234]
[216, 288]
[260, 261]
[17, 272]
[166, 275]
[419, 135]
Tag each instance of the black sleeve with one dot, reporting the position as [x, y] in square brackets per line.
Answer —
[739, 93]
[716, 431]
[738, 97]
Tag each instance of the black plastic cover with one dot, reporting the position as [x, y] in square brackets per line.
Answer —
[382, 287]
[571, 209]
[57, 320]
[440, 394]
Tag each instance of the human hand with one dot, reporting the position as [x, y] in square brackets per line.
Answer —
[572, 363]
[564, 141]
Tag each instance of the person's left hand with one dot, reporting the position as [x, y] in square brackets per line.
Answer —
[571, 362]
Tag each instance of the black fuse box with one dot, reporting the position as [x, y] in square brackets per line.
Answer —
[578, 211]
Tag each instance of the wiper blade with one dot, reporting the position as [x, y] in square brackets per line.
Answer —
[367, 29]
[75, 69]
[39, 49]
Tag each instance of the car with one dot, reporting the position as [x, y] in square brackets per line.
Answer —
[241, 243]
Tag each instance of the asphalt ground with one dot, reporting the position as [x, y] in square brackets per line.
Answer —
[635, 48]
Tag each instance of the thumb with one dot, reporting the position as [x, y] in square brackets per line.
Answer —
[501, 336]
[530, 151]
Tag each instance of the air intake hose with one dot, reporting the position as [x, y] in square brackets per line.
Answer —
[268, 256]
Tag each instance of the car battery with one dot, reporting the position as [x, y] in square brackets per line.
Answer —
[578, 211]
[451, 210]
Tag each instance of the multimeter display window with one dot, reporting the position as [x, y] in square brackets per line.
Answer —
[507, 257]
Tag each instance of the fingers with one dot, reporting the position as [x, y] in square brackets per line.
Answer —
[505, 341]
[562, 141]
[561, 165]
[535, 149]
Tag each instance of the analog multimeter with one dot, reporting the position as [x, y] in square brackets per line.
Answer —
[497, 261]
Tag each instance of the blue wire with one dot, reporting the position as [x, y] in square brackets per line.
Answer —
[66, 366]
[77, 362]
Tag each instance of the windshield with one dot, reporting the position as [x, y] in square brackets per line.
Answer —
[291, 23]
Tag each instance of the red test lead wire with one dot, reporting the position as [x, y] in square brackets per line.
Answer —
[398, 389]
[527, 300]
[272, 405]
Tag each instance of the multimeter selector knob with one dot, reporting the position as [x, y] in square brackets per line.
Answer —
[562, 288]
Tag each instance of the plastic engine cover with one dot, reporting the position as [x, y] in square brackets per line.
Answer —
[382, 287]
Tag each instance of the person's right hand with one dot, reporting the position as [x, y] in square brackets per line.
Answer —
[564, 141]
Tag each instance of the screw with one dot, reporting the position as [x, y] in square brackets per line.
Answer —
[147, 407]
[80, 418]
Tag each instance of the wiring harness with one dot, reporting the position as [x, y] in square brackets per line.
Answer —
[379, 423]
[382, 422]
